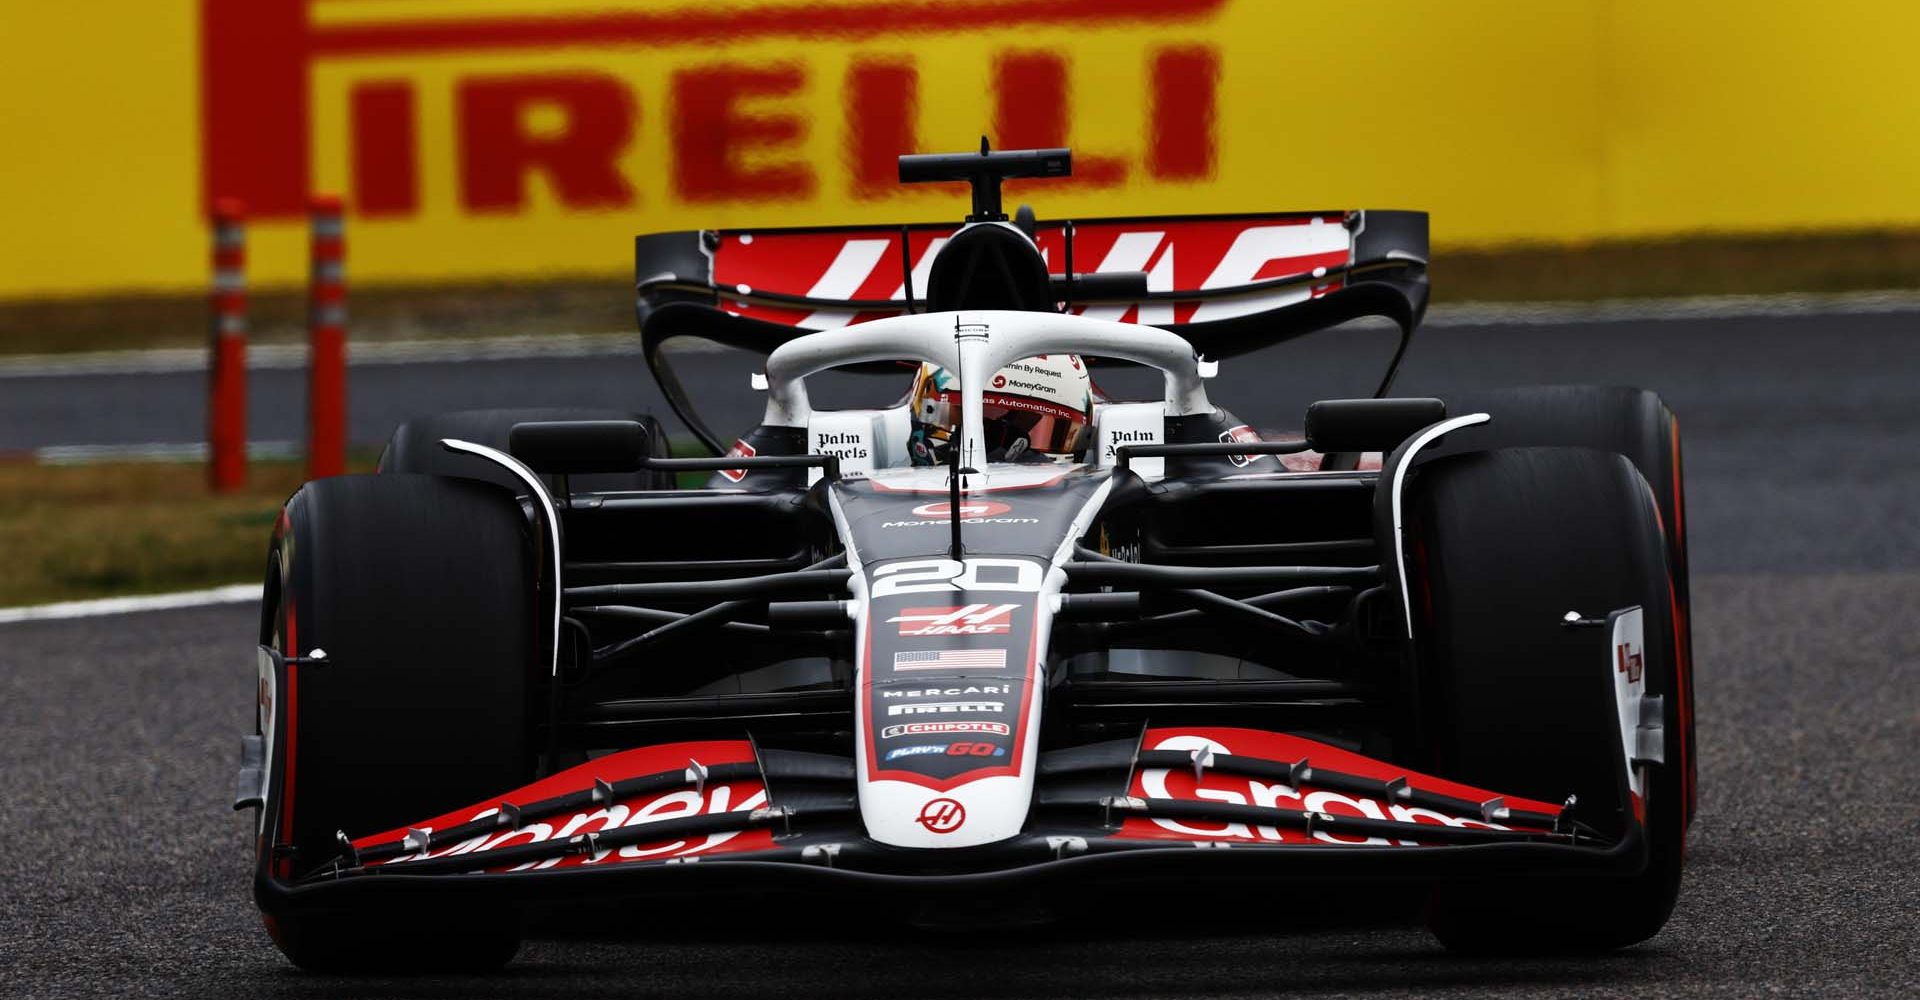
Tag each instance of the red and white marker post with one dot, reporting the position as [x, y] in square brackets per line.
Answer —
[327, 340]
[227, 386]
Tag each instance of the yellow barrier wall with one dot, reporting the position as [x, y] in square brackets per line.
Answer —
[519, 138]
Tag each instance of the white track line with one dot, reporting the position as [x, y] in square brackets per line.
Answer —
[194, 451]
[1701, 307]
[288, 357]
[238, 593]
[272, 357]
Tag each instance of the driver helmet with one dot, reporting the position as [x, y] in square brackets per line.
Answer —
[1035, 410]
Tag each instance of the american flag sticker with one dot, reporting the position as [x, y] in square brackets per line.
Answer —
[951, 659]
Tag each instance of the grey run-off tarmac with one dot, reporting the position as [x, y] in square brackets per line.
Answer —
[1803, 457]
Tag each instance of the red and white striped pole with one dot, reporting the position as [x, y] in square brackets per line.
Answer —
[327, 341]
[227, 386]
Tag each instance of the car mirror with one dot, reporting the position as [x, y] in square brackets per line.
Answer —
[1345, 426]
[565, 447]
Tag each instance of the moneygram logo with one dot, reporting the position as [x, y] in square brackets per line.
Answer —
[971, 512]
[1003, 382]
[1212, 785]
[968, 509]
[970, 619]
[716, 799]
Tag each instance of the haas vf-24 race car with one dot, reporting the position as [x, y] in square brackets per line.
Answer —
[1006, 638]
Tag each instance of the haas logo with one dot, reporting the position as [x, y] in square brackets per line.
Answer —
[1631, 662]
[942, 816]
[972, 619]
[1241, 433]
[744, 450]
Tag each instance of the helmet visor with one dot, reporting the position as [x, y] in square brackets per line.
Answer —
[1048, 428]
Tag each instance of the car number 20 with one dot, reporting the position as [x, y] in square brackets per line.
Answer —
[921, 575]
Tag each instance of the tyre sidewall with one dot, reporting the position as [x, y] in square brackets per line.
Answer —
[1508, 542]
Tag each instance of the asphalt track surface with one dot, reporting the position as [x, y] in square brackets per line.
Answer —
[128, 874]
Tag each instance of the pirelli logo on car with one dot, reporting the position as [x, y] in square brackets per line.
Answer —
[948, 708]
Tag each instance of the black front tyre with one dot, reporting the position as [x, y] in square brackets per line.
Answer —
[1504, 544]
[420, 590]
[1636, 423]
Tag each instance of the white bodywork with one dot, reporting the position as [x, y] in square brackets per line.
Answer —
[997, 806]
[973, 346]
[1116, 425]
[865, 441]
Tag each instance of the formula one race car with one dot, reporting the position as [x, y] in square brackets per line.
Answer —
[1006, 638]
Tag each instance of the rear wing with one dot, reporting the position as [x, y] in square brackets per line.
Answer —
[1228, 284]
